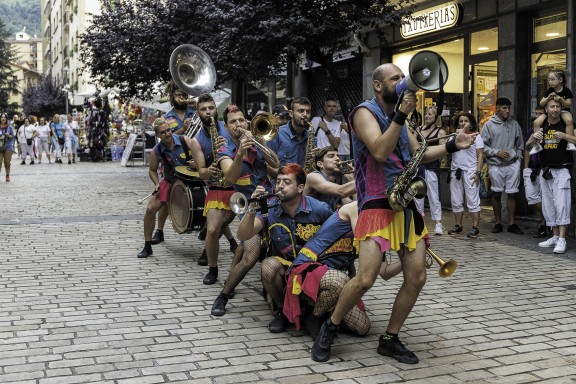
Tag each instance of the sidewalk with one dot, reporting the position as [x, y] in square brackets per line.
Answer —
[77, 306]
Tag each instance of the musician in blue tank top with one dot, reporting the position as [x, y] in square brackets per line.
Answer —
[383, 147]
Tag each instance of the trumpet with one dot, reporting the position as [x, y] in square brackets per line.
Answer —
[239, 203]
[447, 268]
[346, 166]
[140, 201]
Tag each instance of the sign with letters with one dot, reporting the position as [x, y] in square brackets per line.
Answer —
[431, 20]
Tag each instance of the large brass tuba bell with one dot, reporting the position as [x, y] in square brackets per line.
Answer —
[192, 70]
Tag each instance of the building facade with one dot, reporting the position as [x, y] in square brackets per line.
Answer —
[63, 22]
[28, 62]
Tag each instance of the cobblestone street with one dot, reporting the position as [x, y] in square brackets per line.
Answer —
[77, 306]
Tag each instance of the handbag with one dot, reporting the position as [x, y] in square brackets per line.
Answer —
[29, 141]
[61, 141]
[2, 145]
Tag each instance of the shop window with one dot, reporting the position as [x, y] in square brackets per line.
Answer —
[549, 27]
[484, 41]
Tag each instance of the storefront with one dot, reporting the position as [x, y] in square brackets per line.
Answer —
[492, 48]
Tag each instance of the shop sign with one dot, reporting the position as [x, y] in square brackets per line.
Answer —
[431, 20]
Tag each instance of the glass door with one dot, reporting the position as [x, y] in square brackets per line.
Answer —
[484, 79]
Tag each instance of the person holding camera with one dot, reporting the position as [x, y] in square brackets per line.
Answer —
[556, 163]
[465, 178]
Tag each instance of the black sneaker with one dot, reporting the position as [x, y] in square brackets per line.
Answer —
[497, 228]
[32, 162]
[474, 232]
[233, 245]
[23, 162]
[158, 237]
[515, 229]
[203, 259]
[147, 251]
[69, 161]
[394, 348]
[456, 229]
[541, 232]
[322, 345]
[219, 306]
[211, 276]
[279, 324]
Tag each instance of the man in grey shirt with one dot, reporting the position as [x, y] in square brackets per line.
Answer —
[503, 149]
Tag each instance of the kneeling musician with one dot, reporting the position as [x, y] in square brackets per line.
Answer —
[171, 151]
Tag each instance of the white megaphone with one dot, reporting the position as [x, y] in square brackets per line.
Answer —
[427, 70]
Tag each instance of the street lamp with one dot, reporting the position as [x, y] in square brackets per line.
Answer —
[65, 69]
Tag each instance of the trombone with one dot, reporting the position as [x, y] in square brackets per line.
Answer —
[264, 127]
[447, 268]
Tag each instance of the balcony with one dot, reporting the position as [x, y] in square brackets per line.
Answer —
[67, 19]
[47, 7]
[47, 29]
[47, 50]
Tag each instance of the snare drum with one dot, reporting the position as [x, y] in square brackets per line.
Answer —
[187, 173]
[187, 205]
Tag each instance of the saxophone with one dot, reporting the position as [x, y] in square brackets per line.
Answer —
[220, 180]
[407, 186]
[310, 162]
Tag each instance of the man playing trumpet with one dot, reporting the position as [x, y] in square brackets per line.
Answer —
[244, 166]
[170, 152]
[326, 183]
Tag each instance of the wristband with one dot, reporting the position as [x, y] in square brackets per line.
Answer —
[400, 117]
[451, 146]
[328, 132]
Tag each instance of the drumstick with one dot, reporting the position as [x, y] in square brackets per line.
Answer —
[144, 198]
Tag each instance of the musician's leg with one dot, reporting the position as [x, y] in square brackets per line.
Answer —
[153, 206]
[238, 270]
[214, 221]
[273, 282]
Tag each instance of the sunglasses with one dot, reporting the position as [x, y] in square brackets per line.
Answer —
[162, 133]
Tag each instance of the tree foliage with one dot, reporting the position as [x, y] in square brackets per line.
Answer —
[44, 99]
[22, 13]
[8, 80]
[129, 44]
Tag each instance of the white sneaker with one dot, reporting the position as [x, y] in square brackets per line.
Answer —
[560, 246]
[438, 229]
[550, 242]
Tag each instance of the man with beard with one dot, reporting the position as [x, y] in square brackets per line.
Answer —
[289, 226]
[217, 204]
[177, 118]
[171, 152]
[326, 184]
[244, 165]
[290, 144]
[383, 146]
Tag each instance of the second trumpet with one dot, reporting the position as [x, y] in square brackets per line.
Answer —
[239, 203]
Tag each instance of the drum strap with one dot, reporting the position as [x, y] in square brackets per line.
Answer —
[168, 167]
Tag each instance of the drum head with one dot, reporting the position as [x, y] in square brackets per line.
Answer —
[180, 207]
[185, 172]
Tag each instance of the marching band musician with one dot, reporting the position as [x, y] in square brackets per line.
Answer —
[171, 151]
[325, 259]
[217, 204]
[181, 113]
[289, 225]
[326, 184]
[291, 143]
[244, 165]
[177, 117]
[383, 146]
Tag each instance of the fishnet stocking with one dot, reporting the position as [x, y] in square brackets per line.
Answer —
[272, 273]
[238, 271]
[331, 284]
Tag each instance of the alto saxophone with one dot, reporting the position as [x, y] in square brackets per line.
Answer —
[220, 180]
[310, 162]
[407, 186]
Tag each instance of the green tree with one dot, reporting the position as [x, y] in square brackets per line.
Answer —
[130, 43]
[8, 80]
[45, 99]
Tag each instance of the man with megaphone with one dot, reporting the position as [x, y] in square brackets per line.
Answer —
[383, 147]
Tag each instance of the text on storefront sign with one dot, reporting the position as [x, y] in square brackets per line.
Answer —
[431, 20]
